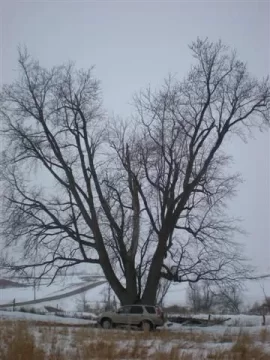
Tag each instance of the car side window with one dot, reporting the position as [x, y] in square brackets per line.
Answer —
[136, 310]
[150, 309]
[124, 310]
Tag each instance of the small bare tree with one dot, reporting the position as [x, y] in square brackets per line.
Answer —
[200, 297]
[145, 199]
[230, 299]
[108, 298]
[82, 303]
[265, 306]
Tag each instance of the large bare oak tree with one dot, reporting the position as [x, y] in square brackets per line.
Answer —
[144, 199]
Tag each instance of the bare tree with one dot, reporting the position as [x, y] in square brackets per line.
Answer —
[230, 299]
[143, 199]
[108, 298]
[208, 296]
[265, 306]
[82, 303]
[200, 297]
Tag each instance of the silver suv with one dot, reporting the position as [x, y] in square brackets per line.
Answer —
[147, 317]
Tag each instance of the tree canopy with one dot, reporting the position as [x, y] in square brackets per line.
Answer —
[144, 199]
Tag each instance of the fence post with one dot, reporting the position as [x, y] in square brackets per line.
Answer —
[13, 304]
[263, 322]
[263, 315]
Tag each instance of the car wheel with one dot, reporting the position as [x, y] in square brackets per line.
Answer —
[106, 324]
[146, 326]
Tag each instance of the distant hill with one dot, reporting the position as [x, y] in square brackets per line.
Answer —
[4, 283]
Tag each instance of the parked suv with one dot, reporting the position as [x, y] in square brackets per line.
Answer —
[147, 317]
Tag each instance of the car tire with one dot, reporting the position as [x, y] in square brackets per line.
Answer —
[106, 324]
[146, 326]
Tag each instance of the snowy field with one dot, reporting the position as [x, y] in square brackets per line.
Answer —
[68, 338]
[62, 286]
[236, 322]
[67, 341]
[240, 320]
[47, 318]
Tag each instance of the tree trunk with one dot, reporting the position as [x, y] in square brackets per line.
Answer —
[127, 295]
[131, 283]
[150, 291]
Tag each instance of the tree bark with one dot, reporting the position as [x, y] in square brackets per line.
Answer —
[150, 291]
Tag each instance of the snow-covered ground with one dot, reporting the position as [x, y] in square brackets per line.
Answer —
[61, 286]
[72, 303]
[217, 329]
[249, 323]
[240, 320]
[17, 315]
[44, 290]
[193, 340]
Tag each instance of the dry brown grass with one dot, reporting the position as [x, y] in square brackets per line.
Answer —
[243, 349]
[17, 343]
[264, 336]
[174, 354]
[28, 341]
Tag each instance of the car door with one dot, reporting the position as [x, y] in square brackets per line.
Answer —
[122, 316]
[136, 314]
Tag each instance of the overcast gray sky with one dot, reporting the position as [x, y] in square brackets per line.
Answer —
[134, 43]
